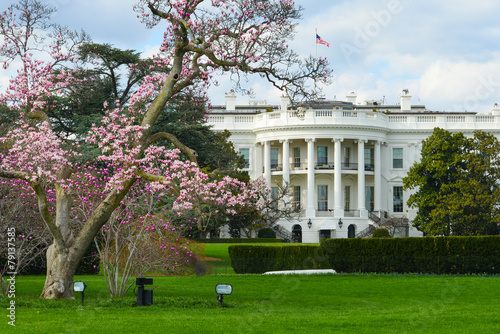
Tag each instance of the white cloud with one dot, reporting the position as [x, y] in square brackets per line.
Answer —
[443, 51]
[462, 85]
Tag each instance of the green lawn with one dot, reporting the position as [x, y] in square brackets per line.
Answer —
[269, 304]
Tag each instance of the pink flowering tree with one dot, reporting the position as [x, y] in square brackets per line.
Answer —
[201, 37]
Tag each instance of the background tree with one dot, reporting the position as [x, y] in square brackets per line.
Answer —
[107, 74]
[18, 211]
[457, 184]
[235, 35]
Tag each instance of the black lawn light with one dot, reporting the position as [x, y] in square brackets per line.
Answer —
[144, 297]
[221, 290]
[80, 287]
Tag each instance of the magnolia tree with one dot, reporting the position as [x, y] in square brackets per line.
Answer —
[201, 38]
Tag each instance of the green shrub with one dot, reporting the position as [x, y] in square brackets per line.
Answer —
[381, 233]
[266, 232]
[259, 259]
[441, 255]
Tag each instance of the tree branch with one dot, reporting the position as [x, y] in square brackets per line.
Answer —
[38, 114]
[156, 178]
[14, 175]
[177, 143]
[47, 217]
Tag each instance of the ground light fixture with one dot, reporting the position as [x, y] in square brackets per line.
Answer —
[309, 223]
[80, 287]
[221, 290]
[340, 223]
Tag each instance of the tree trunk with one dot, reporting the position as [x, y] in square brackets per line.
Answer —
[60, 270]
[64, 255]
[203, 234]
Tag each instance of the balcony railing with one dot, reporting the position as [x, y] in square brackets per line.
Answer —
[350, 165]
[351, 213]
[294, 166]
[298, 166]
[323, 213]
[276, 167]
[324, 165]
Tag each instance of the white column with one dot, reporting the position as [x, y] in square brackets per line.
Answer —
[267, 163]
[361, 178]
[377, 177]
[310, 211]
[286, 166]
[337, 204]
[258, 166]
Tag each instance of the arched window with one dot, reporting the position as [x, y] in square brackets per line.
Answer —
[351, 231]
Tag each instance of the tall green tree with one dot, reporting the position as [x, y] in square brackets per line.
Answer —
[457, 184]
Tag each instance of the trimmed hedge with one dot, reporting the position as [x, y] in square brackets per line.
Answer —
[381, 233]
[438, 255]
[237, 240]
[259, 259]
[266, 233]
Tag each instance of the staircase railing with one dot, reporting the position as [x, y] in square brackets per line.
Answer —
[366, 232]
[282, 233]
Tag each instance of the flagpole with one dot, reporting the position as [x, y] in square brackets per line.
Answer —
[315, 60]
[316, 43]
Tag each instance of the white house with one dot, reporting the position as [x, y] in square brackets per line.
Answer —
[344, 161]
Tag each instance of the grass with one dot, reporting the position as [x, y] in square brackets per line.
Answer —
[263, 304]
[268, 304]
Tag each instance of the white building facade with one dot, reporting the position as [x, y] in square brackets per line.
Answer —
[344, 161]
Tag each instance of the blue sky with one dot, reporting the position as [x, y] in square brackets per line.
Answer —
[446, 52]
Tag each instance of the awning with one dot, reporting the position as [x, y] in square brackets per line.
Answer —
[328, 225]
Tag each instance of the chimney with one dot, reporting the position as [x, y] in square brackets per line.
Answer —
[496, 110]
[351, 97]
[230, 101]
[285, 101]
[405, 100]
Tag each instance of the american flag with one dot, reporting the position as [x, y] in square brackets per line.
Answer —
[319, 40]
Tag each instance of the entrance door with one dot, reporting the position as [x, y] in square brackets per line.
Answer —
[297, 233]
[351, 231]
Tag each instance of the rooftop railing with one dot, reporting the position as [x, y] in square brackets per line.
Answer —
[355, 117]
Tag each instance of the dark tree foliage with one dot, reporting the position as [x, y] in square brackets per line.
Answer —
[457, 184]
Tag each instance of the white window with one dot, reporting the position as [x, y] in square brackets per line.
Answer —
[295, 195]
[370, 198]
[322, 155]
[274, 158]
[322, 198]
[245, 152]
[347, 198]
[397, 199]
[369, 160]
[296, 157]
[397, 158]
